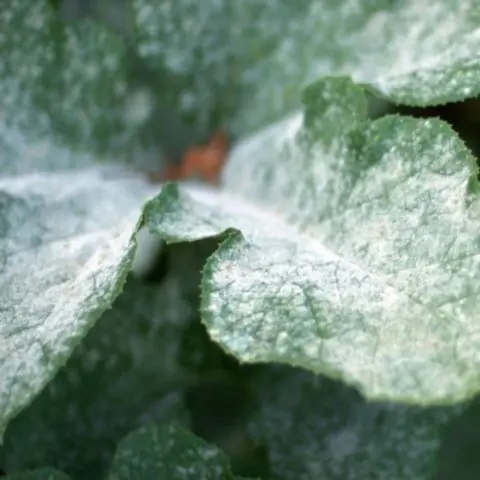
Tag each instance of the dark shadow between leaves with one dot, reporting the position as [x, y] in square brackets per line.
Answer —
[315, 427]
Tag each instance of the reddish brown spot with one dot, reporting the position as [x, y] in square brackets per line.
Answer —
[205, 162]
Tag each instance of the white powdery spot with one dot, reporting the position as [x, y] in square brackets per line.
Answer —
[251, 220]
[424, 39]
[139, 107]
[243, 171]
[343, 443]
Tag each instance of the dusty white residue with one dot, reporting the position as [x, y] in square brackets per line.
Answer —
[343, 443]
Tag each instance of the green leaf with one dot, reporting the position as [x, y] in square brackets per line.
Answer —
[314, 427]
[202, 53]
[40, 474]
[243, 65]
[127, 372]
[168, 452]
[358, 254]
[66, 246]
[133, 368]
[65, 80]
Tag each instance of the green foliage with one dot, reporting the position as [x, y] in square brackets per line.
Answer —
[318, 428]
[353, 252]
[256, 56]
[168, 452]
[344, 247]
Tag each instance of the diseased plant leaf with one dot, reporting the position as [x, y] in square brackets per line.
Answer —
[202, 52]
[314, 427]
[133, 368]
[66, 80]
[66, 246]
[168, 452]
[219, 66]
[358, 254]
[127, 372]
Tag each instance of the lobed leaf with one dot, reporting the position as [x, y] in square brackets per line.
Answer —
[358, 250]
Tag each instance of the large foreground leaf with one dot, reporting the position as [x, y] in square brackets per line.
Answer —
[130, 370]
[243, 64]
[66, 245]
[314, 427]
[359, 251]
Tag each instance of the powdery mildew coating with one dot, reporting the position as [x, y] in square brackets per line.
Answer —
[215, 61]
[204, 52]
[422, 44]
[168, 452]
[359, 262]
[66, 245]
[413, 52]
[317, 428]
[136, 346]
[63, 80]
[36, 155]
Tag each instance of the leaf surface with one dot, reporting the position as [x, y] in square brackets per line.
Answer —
[66, 246]
[358, 249]
[129, 370]
[168, 452]
[244, 65]
[135, 367]
[64, 80]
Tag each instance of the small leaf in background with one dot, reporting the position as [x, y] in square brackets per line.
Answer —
[66, 246]
[40, 474]
[359, 249]
[221, 67]
[168, 452]
[203, 53]
[66, 80]
[314, 427]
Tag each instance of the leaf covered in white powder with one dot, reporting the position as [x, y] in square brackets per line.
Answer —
[358, 251]
[67, 80]
[66, 246]
[244, 64]
[168, 452]
[130, 370]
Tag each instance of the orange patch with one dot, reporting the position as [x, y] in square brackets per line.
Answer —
[204, 162]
